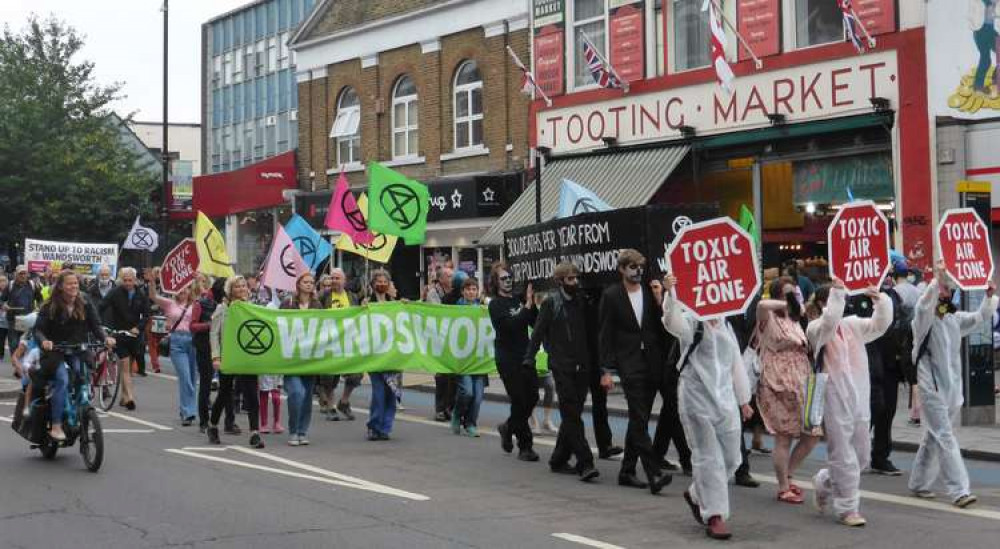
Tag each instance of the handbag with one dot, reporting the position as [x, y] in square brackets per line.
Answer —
[164, 346]
[815, 388]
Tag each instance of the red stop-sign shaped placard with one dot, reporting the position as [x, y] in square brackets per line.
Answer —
[858, 246]
[180, 267]
[964, 243]
[715, 263]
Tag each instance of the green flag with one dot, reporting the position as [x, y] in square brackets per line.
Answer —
[749, 223]
[397, 205]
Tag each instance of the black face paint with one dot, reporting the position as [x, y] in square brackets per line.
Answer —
[634, 272]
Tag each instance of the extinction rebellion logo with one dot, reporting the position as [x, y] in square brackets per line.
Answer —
[255, 337]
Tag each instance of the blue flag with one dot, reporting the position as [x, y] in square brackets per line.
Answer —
[311, 245]
[575, 199]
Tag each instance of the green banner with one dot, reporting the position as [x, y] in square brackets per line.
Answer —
[443, 339]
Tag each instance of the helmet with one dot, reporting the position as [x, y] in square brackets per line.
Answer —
[25, 323]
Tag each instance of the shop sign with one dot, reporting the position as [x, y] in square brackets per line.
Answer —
[822, 90]
[956, 85]
[715, 263]
[964, 244]
[627, 42]
[878, 16]
[835, 180]
[180, 267]
[759, 22]
[549, 51]
[858, 246]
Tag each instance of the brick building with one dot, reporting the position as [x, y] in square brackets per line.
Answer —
[427, 88]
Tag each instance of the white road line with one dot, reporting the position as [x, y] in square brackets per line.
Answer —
[7, 419]
[205, 448]
[322, 479]
[368, 485]
[162, 376]
[586, 541]
[156, 426]
[8, 403]
[129, 431]
[989, 514]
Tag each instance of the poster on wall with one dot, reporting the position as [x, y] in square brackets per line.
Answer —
[759, 22]
[549, 36]
[85, 258]
[878, 16]
[962, 75]
[627, 42]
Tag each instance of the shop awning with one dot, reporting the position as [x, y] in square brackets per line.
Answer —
[255, 187]
[623, 179]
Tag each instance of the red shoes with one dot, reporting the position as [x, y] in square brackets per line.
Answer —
[717, 528]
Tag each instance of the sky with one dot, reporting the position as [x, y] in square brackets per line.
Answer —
[124, 38]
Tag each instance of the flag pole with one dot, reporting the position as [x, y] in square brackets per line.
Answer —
[604, 60]
[871, 40]
[529, 74]
[758, 64]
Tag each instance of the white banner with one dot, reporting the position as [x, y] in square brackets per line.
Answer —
[962, 62]
[841, 87]
[86, 258]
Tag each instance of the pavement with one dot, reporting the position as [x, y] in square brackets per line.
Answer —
[162, 485]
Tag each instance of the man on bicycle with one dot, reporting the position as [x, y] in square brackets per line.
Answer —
[65, 319]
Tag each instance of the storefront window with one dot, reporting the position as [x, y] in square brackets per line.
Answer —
[588, 19]
[691, 35]
[817, 22]
[255, 230]
[468, 261]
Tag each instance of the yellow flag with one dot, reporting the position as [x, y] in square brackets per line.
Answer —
[379, 250]
[213, 259]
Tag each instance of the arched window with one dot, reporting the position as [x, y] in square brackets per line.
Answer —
[347, 127]
[405, 119]
[468, 106]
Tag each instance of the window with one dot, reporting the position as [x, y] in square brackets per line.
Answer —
[238, 103]
[817, 22]
[272, 18]
[227, 106]
[227, 69]
[272, 93]
[260, 57]
[282, 132]
[216, 71]
[260, 28]
[405, 119]
[691, 48]
[283, 90]
[237, 144]
[659, 53]
[258, 143]
[468, 106]
[283, 50]
[272, 54]
[283, 14]
[347, 128]
[589, 20]
[249, 62]
[237, 30]
[248, 143]
[261, 97]
[237, 66]
[217, 108]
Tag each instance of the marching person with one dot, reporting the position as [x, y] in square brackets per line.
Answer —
[180, 312]
[838, 346]
[387, 390]
[713, 393]
[471, 388]
[634, 343]
[336, 296]
[236, 290]
[127, 311]
[511, 318]
[100, 288]
[442, 291]
[561, 325]
[300, 388]
[201, 327]
[938, 330]
[20, 298]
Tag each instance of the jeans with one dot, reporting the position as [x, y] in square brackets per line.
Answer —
[60, 388]
[383, 404]
[469, 398]
[985, 39]
[185, 361]
[299, 390]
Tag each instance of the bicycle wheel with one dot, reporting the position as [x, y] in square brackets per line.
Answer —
[91, 440]
[107, 384]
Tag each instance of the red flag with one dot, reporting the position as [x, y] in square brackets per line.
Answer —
[344, 215]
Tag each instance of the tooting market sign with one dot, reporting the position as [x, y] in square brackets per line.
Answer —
[808, 92]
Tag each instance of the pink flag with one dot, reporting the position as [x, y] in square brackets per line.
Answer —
[344, 215]
[284, 263]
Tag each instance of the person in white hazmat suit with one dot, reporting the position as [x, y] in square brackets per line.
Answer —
[938, 330]
[712, 393]
[847, 398]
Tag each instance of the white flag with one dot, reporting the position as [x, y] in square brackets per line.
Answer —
[141, 238]
[723, 72]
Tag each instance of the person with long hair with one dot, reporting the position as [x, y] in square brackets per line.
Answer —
[127, 311]
[838, 346]
[180, 312]
[387, 387]
[66, 318]
[784, 357]
[300, 388]
[236, 290]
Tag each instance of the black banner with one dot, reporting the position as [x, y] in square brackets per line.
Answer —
[593, 241]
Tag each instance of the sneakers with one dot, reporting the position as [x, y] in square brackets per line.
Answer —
[589, 473]
[331, 414]
[506, 440]
[747, 481]
[456, 424]
[965, 501]
[924, 494]
[717, 528]
[852, 519]
[611, 452]
[471, 431]
[345, 409]
[56, 433]
[372, 435]
[886, 468]
[303, 441]
[256, 441]
[213, 435]
[294, 440]
[550, 427]
[527, 455]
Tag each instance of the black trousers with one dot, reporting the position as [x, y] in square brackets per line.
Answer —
[445, 387]
[640, 390]
[599, 411]
[521, 384]
[140, 355]
[885, 393]
[668, 427]
[571, 388]
[247, 387]
[744, 468]
[203, 354]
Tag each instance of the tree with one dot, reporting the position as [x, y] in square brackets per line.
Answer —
[65, 171]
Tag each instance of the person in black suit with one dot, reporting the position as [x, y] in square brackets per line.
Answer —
[127, 310]
[634, 343]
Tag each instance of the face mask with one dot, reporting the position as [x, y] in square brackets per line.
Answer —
[912, 279]
[634, 273]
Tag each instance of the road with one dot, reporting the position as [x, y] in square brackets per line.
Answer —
[163, 486]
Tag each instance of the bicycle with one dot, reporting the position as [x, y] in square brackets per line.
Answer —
[80, 420]
[106, 380]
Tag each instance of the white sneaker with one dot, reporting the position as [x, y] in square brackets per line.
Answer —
[965, 501]
[533, 424]
[924, 494]
[303, 441]
[294, 440]
[853, 519]
[551, 427]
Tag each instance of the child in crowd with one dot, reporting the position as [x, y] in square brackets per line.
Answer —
[470, 388]
[269, 388]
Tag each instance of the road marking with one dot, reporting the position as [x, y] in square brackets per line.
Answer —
[8, 403]
[205, 448]
[129, 431]
[326, 478]
[162, 376]
[156, 426]
[586, 541]
[7, 419]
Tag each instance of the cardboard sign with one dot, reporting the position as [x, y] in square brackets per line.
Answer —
[86, 258]
[715, 263]
[858, 246]
[964, 243]
[180, 267]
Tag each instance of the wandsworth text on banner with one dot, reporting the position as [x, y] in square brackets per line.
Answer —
[86, 258]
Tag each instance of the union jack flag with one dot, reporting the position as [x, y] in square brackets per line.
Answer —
[601, 71]
[854, 27]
